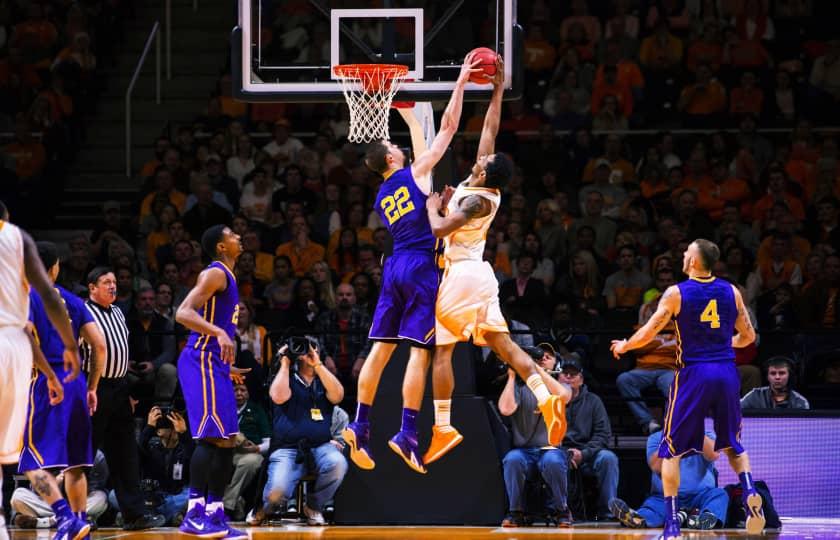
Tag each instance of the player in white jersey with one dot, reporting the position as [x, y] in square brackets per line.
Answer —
[20, 265]
[468, 296]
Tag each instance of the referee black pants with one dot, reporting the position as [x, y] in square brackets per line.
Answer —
[114, 434]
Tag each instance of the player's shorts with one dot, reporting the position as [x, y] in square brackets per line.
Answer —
[701, 389]
[468, 303]
[15, 376]
[57, 436]
[208, 393]
[406, 306]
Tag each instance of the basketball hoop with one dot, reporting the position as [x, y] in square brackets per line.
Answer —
[369, 90]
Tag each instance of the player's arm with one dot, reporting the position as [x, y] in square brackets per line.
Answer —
[746, 332]
[471, 207]
[53, 305]
[418, 146]
[93, 335]
[54, 387]
[492, 118]
[669, 305]
[209, 281]
[424, 163]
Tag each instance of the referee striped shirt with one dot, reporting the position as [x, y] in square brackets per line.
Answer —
[112, 323]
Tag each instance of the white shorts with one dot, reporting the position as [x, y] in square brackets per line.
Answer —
[15, 376]
[468, 304]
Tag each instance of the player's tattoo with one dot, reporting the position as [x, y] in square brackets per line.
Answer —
[475, 206]
[742, 312]
[41, 484]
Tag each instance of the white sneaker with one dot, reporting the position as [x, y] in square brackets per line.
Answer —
[253, 519]
[313, 517]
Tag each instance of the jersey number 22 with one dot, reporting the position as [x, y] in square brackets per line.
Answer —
[398, 205]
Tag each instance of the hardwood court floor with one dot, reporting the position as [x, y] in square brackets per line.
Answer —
[799, 529]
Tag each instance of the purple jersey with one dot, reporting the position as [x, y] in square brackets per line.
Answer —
[48, 338]
[222, 310]
[706, 321]
[402, 208]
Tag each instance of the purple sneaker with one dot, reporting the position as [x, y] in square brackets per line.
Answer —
[672, 531]
[197, 523]
[357, 437]
[218, 518]
[405, 446]
[72, 529]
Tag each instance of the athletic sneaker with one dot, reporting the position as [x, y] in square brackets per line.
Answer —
[357, 437]
[554, 415]
[755, 514]
[702, 520]
[197, 523]
[405, 446]
[219, 519]
[72, 529]
[626, 515]
[672, 531]
[442, 442]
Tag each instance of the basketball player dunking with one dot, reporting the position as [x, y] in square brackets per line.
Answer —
[706, 312]
[406, 306]
[211, 310]
[468, 298]
[21, 266]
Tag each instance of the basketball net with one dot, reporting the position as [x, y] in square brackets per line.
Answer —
[369, 90]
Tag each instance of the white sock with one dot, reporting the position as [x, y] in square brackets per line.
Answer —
[4, 534]
[195, 501]
[442, 410]
[538, 387]
[213, 506]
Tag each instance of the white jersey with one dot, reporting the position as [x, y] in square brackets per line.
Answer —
[467, 243]
[14, 290]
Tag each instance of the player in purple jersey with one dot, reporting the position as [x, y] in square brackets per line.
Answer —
[406, 306]
[707, 311]
[58, 436]
[211, 310]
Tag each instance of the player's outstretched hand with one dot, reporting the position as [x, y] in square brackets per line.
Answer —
[55, 389]
[434, 201]
[71, 363]
[227, 347]
[237, 375]
[618, 347]
[470, 66]
[499, 78]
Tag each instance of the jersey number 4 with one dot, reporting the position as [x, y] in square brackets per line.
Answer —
[710, 314]
[398, 205]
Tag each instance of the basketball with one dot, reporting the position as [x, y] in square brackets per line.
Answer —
[487, 65]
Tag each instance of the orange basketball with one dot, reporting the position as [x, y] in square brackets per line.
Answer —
[487, 58]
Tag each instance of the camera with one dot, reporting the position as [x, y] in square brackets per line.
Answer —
[298, 346]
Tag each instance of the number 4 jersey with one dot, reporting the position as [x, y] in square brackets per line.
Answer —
[402, 207]
[706, 321]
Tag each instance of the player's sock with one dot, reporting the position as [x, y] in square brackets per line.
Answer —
[201, 468]
[362, 410]
[746, 482]
[538, 387]
[443, 408]
[671, 510]
[214, 502]
[218, 481]
[196, 497]
[409, 420]
[82, 516]
[62, 510]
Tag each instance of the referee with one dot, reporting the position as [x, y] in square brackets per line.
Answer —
[113, 421]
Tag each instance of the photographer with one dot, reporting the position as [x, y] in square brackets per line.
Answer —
[304, 398]
[531, 453]
[165, 451]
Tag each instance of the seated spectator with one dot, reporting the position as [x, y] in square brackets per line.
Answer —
[580, 16]
[571, 342]
[624, 288]
[343, 332]
[550, 228]
[530, 453]
[28, 154]
[165, 452]
[606, 183]
[582, 284]
[779, 394]
[283, 283]
[785, 224]
[747, 98]
[753, 23]
[780, 268]
[588, 435]
[707, 49]
[164, 185]
[256, 199]
[303, 410]
[724, 189]
[621, 170]
[29, 511]
[610, 117]
[283, 148]
[323, 278]
[623, 22]
[544, 269]
[253, 337]
[197, 178]
[580, 98]
[539, 54]
[785, 101]
[264, 261]
[741, 54]
[291, 188]
[244, 161]
[151, 347]
[609, 85]
[703, 101]
[820, 304]
[698, 491]
[661, 51]
[656, 363]
[692, 221]
[251, 448]
[826, 230]
[206, 212]
[524, 291]
[301, 250]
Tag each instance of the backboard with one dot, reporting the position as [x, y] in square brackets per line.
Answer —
[284, 50]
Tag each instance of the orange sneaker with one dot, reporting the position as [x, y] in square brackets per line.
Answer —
[442, 443]
[554, 415]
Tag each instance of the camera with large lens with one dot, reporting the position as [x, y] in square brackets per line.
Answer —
[298, 346]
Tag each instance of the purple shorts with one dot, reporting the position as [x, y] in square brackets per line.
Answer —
[406, 306]
[57, 436]
[702, 389]
[208, 393]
